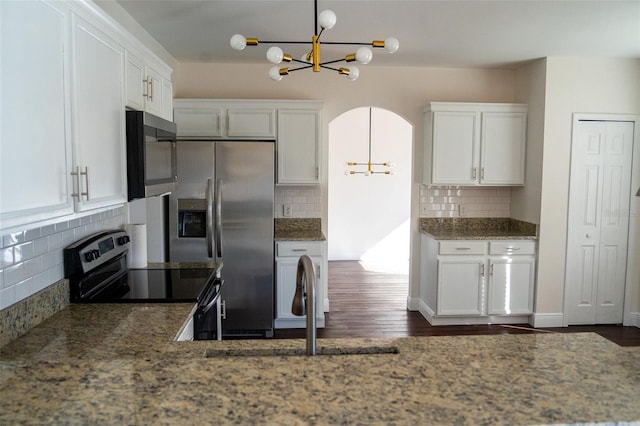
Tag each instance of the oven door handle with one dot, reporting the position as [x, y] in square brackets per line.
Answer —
[212, 295]
[209, 201]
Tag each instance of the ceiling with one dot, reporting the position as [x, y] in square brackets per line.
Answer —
[445, 33]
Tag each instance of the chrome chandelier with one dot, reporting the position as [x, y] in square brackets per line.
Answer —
[312, 59]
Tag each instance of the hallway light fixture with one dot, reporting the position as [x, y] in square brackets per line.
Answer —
[369, 165]
[311, 59]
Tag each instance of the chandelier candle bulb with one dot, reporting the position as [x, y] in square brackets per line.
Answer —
[327, 19]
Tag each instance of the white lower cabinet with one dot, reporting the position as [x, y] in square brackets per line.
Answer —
[477, 282]
[287, 255]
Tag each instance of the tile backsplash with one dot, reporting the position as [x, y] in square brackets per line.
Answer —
[464, 201]
[304, 201]
[31, 260]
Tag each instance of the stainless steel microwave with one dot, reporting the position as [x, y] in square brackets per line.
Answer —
[151, 155]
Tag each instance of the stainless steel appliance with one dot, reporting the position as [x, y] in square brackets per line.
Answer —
[96, 267]
[222, 209]
[151, 155]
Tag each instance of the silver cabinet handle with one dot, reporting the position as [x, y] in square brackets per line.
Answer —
[299, 250]
[482, 173]
[145, 93]
[78, 173]
[512, 248]
[223, 306]
[150, 89]
[473, 173]
[491, 270]
[463, 248]
[482, 269]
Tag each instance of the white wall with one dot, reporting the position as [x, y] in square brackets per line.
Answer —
[530, 89]
[575, 85]
[404, 91]
[368, 216]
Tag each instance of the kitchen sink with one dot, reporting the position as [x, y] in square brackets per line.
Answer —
[356, 350]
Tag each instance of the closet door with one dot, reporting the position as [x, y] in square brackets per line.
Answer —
[599, 200]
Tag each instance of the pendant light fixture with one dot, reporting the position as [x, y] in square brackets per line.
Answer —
[369, 165]
[312, 59]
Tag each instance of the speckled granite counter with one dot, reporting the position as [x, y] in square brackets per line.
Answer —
[117, 364]
[477, 229]
[298, 230]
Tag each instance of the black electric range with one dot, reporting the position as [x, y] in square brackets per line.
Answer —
[96, 267]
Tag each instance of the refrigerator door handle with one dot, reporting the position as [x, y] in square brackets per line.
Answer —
[209, 201]
[219, 218]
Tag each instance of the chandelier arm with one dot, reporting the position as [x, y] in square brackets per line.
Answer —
[283, 42]
[333, 62]
[329, 68]
[346, 43]
[300, 68]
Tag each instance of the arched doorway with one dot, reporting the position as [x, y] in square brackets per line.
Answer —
[369, 216]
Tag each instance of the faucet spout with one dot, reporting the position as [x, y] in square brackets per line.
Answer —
[304, 300]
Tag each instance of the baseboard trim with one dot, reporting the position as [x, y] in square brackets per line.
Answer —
[634, 318]
[413, 303]
[540, 320]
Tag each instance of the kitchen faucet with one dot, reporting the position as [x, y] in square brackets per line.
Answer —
[304, 300]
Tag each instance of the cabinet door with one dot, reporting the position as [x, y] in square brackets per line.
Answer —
[511, 285]
[98, 116]
[35, 150]
[198, 122]
[134, 84]
[167, 100]
[455, 146]
[153, 98]
[460, 286]
[286, 270]
[298, 147]
[503, 148]
[251, 123]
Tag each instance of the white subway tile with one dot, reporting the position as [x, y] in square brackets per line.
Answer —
[24, 289]
[12, 239]
[7, 297]
[6, 257]
[23, 251]
[55, 242]
[13, 274]
[47, 230]
[32, 234]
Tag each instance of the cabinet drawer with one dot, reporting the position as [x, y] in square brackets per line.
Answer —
[463, 247]
[298, 249]
[515, 247]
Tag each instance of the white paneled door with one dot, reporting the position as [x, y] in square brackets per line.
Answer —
[599, 200]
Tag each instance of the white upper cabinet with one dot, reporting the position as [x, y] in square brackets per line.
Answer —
[295, 126]
[148, 88]
[98, 117]
[228, 119]
[299, 139]
[475, 144]
[34, 148]
[65, 69]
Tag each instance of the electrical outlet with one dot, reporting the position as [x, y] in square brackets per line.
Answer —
[463, 210]
[424, 210]
[286, 210]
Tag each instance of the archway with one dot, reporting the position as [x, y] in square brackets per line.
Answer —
[369, 216]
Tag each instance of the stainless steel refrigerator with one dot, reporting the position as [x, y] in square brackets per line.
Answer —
[222, 210]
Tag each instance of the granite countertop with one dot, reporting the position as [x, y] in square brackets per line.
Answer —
[478, 229]
[298, 230]
[118, 364]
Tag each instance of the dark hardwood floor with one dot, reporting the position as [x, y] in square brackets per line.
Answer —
[368, 301]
